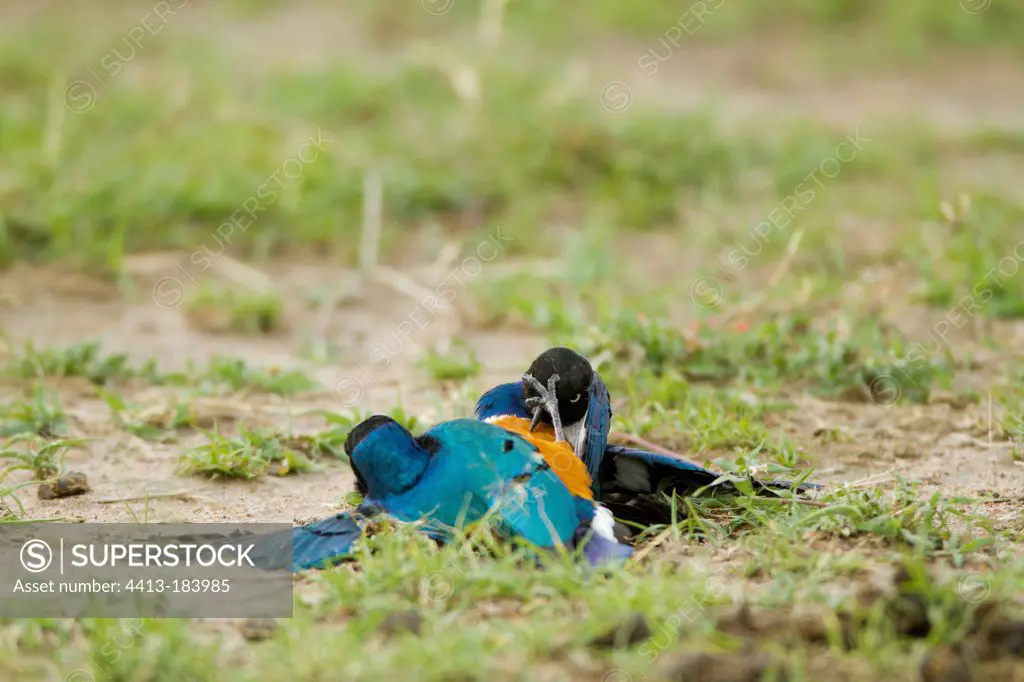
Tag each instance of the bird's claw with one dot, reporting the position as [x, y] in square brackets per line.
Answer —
[546, 399]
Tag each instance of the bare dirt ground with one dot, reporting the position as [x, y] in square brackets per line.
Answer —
[944, 445]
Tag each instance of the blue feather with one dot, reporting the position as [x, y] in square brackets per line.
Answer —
[598, 425]
[503, 399]
[324, 543]
[507, 399]
[453, 475]
[317, 545]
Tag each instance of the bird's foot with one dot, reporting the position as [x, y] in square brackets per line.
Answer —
[547, 400]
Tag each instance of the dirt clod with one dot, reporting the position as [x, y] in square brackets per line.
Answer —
[71, 483]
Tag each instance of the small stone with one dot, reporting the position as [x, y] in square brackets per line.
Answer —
[71, 483]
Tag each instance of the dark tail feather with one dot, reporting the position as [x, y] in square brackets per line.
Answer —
[640, 510]
[643, 471]
[783, 484]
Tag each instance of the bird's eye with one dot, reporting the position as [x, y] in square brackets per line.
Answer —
[576, 398]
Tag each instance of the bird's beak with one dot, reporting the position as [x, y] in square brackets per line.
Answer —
[537, 413]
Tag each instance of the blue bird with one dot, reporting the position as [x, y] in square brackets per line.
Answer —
[453, 475]
[548, 404]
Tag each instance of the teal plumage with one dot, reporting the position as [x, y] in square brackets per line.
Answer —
[456, 474]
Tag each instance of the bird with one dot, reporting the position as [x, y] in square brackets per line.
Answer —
[548, 405]
[560, 398]
[455, 474]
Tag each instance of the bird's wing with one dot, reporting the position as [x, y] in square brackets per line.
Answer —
[505, 473]
[598, 423]
[316, 545]
[323, 543]
[503, 399]
[535, 506]
[642, 471]
[540, 509]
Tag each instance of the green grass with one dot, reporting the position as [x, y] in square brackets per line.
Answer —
[43, 458]
[89, 361]
[1011, 425]
[899, 31]
[478, 162]
[237, 375]
[146, 423]
[79, 360]
[40, 415]
[458, 364]
[479, 614]
[252, 454]
[829, 357]
[976, 270]
[231, 311]
[704, 423]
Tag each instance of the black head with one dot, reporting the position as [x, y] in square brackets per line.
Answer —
[574, 376]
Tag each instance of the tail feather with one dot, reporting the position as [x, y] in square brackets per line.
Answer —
[318, 545]
[642, 471]
[783, 484]
[640, 511]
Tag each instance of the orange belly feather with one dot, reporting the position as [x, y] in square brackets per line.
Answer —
[558, 454]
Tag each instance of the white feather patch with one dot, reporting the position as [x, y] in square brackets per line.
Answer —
[575, 434]
[603, 523]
